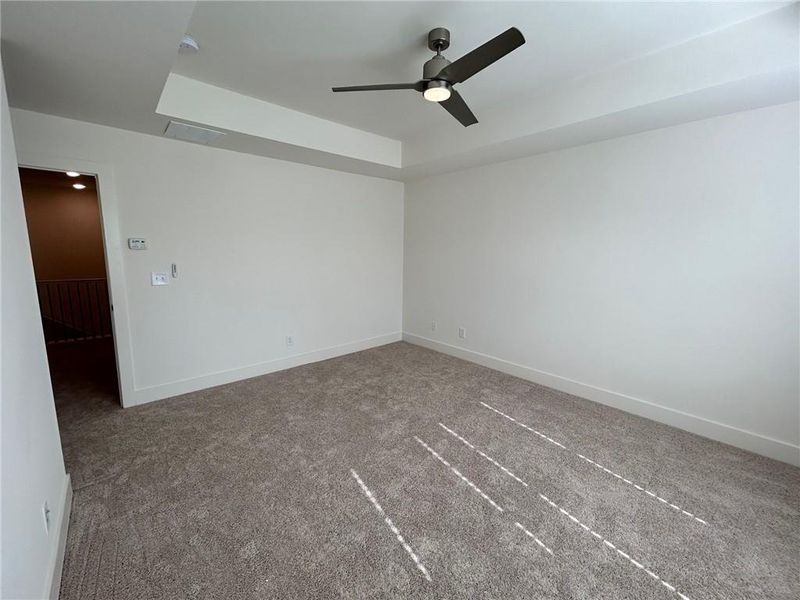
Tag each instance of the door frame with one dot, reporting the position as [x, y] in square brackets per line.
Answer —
[112, 249]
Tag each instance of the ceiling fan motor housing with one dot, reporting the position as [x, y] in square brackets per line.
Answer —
[434, 66]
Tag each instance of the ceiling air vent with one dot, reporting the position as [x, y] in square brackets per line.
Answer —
[191, 133]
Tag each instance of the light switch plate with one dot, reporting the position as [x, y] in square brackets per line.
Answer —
[137, 243]
[159, 278]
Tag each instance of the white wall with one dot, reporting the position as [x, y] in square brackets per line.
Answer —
[32, 465]
[656, 272]
[264, 249]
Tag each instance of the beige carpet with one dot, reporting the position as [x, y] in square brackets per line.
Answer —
[402, 473]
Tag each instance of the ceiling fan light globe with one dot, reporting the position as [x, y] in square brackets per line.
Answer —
[437, 91]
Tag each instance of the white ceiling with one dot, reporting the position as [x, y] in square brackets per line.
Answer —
[102, 62]
[589, 70]
[292, 53]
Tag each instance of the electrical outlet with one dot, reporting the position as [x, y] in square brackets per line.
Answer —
[159, 278]
[433, 325]
[462, 333]
[46, 514]
[289, 341]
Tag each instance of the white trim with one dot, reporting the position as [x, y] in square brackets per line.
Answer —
[109, 211]
[184, 386]
[61, 525]
[714, 430]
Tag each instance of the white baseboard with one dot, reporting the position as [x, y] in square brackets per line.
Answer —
[184, 386]
[720, 432]
[61, 526]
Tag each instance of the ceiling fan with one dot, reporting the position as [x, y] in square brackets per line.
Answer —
[439, 75]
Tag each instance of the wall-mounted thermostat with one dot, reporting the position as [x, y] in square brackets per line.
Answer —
[137, 243]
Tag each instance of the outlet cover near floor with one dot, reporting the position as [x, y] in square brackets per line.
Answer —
[462, 333]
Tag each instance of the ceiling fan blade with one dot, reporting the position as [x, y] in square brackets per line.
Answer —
[456, 106]
[418, 86]
[480, 58]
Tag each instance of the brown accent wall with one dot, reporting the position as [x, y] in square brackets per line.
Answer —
[64, 225]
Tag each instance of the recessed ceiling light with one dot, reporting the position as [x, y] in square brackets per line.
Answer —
[73, 174]
[78, 186]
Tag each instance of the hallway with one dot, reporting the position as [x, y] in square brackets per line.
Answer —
[85, 389]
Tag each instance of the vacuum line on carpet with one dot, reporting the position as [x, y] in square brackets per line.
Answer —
[457, 472]
[371, 497]
[531, 429]
[599, 466]
[479, 453]
[641, 489]
[570, 516]
[535, 539]
[506, 471]
[477, 489]
[613, 547]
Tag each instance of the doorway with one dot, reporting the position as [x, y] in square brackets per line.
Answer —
[65, 229]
